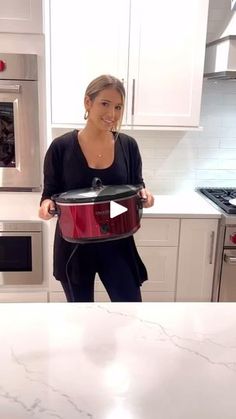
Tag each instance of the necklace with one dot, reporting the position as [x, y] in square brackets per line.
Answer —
[99, 155]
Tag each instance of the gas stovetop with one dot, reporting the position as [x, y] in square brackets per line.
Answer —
[221, 197]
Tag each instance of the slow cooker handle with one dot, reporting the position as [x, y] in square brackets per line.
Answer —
[97, 183]
[54, 212]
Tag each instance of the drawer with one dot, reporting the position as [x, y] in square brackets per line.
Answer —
[57, 297]
[158, 232]
[158, 297]
[24, 297]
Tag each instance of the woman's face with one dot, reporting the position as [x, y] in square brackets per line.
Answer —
[105, 110]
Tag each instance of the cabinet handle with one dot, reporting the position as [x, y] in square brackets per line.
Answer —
[212, 247]
[133, 97]
[231, 260]
[10, 88]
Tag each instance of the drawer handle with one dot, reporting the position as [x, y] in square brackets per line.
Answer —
[231, 260]
[10, 88]
[212, 247]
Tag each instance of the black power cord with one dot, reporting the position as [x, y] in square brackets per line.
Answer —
[67, 274]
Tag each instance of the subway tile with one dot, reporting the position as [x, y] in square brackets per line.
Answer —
[216, 174]
[227, 153]
[227, 164]
[207, 153]
[206, 164]
[228, 143]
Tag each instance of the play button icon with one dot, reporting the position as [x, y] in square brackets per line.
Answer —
[116, 209]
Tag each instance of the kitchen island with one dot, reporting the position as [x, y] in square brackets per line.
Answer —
[118, 361]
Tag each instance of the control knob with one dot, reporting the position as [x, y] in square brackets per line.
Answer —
[233, 238]
[2, 65]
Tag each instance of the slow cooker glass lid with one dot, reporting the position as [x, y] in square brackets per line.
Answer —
[106, 193]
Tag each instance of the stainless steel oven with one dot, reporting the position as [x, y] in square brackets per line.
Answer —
[20, 253]
[227, 289]
[224, 286]
[19, 123]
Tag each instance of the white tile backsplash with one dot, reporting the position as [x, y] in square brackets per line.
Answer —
[175, 161]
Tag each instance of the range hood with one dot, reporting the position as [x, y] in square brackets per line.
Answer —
[220, 59]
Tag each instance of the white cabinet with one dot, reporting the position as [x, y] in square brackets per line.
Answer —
[196, 259]
[167, 49]
[179, 255]
[157, 244]
[57, 297]
[24, 297]
[21, 16]
[157, 48]
[92, 40]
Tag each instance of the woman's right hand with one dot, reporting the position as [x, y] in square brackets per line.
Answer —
[46, 205]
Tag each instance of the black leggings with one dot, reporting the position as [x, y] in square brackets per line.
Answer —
[114, 271]
[119, 288]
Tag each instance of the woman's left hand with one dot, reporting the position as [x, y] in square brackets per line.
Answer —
[148, 198]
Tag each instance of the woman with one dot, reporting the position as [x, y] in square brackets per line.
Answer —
[71, 162]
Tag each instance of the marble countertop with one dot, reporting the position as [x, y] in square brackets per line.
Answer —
[24, 206]
[118, 361]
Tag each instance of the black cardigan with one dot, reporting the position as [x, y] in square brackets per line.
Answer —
[65, 168]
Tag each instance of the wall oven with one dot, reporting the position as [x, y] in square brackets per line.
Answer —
[19, 123]
[20, 253]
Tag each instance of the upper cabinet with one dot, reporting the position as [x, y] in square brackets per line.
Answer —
[157, 48]
[167, 49]
[24, 16]
[88, 39]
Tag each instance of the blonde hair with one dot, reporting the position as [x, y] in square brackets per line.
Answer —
[102, 82]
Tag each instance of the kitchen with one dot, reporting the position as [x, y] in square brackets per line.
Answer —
[190, 346]
[175, 162]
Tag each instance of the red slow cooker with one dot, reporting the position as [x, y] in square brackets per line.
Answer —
[85, 214]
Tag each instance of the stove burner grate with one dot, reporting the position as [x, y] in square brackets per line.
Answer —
[221, 197]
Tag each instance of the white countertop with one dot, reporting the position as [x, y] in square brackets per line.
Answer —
[118, 361]
[24, 206]
[185, 205]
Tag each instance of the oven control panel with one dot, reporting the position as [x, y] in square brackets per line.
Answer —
[230, 237]
[20, 226]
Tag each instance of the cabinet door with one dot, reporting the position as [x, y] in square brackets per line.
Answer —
[88, 39]
[158, 232]
[161, 265]
[196, 259]
[167, 49]
[24, 16]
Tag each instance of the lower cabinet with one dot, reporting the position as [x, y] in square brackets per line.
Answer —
[179, 255]
[196, 259]
[24, 297]
[57, 297]
[157, 244]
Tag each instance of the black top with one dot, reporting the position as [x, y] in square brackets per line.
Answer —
[66, 168]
